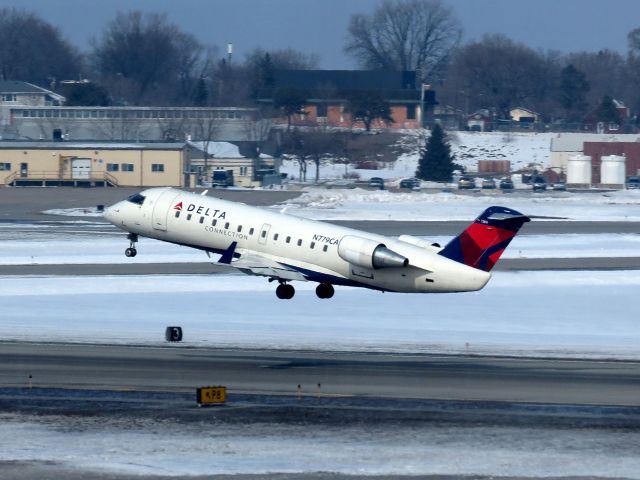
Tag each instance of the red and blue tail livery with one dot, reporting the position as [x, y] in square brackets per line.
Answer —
[482, 243]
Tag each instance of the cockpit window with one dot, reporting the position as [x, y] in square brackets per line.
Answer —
[137, 199]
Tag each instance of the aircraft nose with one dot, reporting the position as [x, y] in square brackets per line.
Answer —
[111, 213]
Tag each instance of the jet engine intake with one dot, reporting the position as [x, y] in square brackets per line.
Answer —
[367, 253]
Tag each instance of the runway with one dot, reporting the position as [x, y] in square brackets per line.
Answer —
[461, 378]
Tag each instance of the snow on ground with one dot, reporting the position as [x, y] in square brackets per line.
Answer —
[62, 249]
[566, 314]
[172, 448]
[468, 147]
[359, 204]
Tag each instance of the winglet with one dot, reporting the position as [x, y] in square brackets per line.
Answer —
[227, 256]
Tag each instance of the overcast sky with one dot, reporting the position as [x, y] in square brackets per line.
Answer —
[319, 26]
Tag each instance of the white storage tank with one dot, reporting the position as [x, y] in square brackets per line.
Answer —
[579, 170]
[612, 170]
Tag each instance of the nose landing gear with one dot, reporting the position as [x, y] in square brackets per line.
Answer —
[131, 251]
[325, 290]
[285, 291]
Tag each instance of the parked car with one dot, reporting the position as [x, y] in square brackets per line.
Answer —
[539, 184]
[410, 183]
[506, 184]
[633, 182]
[376, 182]
[559, 186]
[465, 183]
[488, 184]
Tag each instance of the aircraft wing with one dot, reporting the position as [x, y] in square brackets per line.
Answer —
[255, 264]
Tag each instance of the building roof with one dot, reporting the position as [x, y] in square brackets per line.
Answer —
[15, 86]
[321, 84]
[91, 146]
[574, 142]
[221, 149]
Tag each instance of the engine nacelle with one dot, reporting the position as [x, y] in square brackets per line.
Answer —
[369, 253]
[419, 242]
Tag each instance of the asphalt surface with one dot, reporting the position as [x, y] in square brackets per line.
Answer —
[463, 378]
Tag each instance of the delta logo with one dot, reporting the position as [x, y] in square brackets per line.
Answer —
[178, 207]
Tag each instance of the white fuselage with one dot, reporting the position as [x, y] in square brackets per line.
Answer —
[307, 246]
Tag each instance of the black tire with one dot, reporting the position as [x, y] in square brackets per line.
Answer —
[130, 252]
[173, 334]
[290, 292]
[281, 292]
[325, 290]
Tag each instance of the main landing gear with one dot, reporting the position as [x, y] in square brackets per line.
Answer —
[131, 251]
[285, 291]
[324, 290]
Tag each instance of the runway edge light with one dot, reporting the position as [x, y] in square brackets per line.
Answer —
[211, 395]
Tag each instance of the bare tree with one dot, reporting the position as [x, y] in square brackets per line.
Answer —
[32, 50]
[405, 35]
[145, 57]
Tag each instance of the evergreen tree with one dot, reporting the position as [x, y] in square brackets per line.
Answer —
[573, 92]
[201, 93]
[607, 111]
[436, 163]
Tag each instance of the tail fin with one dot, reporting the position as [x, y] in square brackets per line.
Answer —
[482, 243]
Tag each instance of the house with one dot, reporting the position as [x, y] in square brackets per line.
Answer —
[524, 117]
[13, 92]
[592, 124]
[480, 121]
[327, 93]
[247, 171]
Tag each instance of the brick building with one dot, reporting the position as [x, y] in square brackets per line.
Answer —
[597, 150]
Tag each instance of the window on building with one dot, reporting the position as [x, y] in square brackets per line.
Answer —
[9, 97]
[243, 171]
[411, 112]
[5, 167]
[127, 167]
[113, 167]
[157, 167]
[321, 109]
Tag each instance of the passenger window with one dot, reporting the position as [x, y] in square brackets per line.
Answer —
[264, 234]
[275, 237]
[239, 228]
[313, 245]
[300, 242]
[288, 240]
[201, 219]
[226, 226]
[189, 217]
[178, 214]
[325, 248]
[213, 224]
[251, 231]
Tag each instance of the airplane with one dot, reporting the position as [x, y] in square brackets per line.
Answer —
[286, 248]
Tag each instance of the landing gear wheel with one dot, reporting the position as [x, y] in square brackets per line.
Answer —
[325, 290]
[285, 292]
[131, 251]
